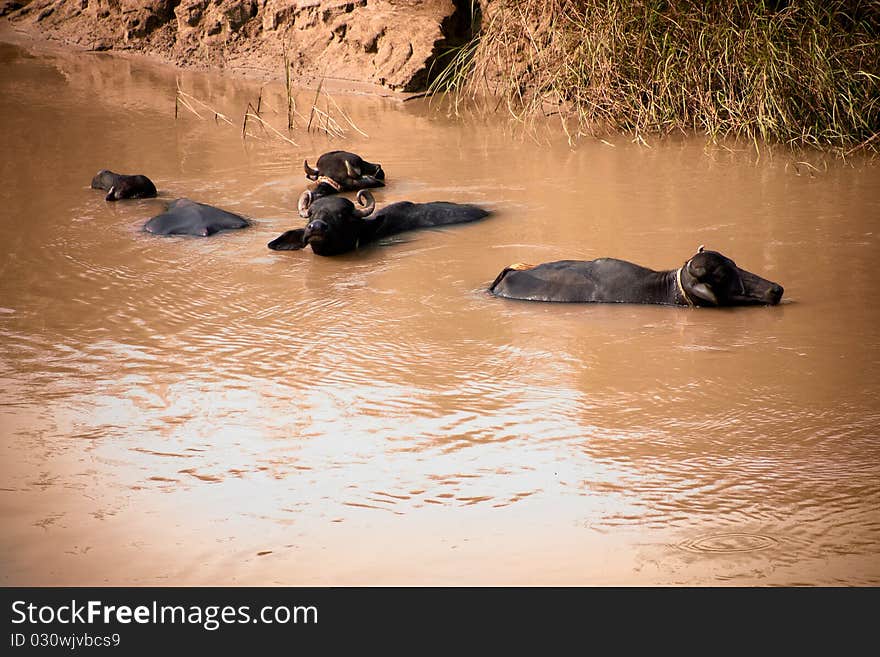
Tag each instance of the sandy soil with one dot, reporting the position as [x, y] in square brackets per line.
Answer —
[383, 44]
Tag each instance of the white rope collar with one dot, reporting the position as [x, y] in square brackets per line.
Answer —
[681, 287]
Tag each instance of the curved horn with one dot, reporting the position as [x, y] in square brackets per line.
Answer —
[311, 174]
[700, 250]
[305, 200]
[365, 198]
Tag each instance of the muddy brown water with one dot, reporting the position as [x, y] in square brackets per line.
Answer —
[205, 411]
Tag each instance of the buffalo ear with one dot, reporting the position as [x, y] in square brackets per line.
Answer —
[697, 271]
[111, 195]
[305, 200]
[353, 171]
[292, 240]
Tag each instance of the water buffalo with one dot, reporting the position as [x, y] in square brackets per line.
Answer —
[119, 185]
[336, 225]
[186, 217]
[341, 171]
[706, 279]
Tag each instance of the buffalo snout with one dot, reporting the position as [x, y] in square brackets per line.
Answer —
[316, 229]
[774, 294]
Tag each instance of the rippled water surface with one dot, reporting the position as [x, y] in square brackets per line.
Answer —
[206, 411]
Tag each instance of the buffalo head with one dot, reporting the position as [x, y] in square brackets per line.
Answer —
[712, 279]
[119, 185]
[334, 224]
[341, 171]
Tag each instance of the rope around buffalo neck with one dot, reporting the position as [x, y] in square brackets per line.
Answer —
[329, 181]
[681, 287]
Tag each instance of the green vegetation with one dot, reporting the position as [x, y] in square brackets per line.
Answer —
[802, 73]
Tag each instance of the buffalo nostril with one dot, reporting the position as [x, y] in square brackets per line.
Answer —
[775, 292]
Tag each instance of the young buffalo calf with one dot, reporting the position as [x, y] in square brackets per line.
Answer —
[119, 185]
[341, 171]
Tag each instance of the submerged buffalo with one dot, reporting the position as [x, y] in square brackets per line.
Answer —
[120, 185]
[186, 217]
[336, 225]
[341, 171]
[706, 279]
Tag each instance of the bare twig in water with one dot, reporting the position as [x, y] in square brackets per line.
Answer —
[190, 108]
[247, 113]
[183, 96]
[345, 116]
[291, 107]
[323, 120]
[269, 126]
[259, 109]
[314, 105]
[328, 124]
[862, 145]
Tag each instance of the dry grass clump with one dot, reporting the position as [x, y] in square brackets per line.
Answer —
[799, 72]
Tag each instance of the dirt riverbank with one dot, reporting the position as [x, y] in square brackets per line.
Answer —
[388, 43]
